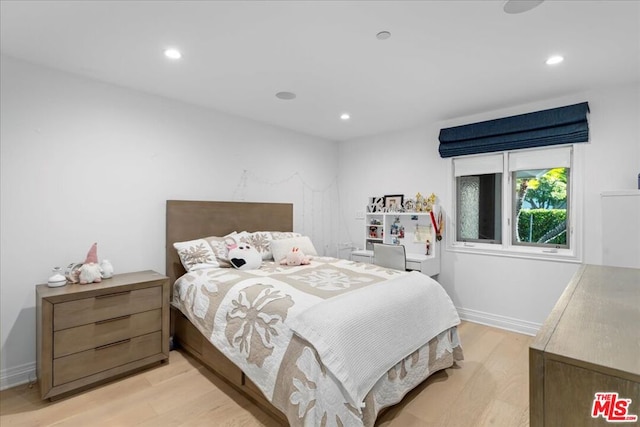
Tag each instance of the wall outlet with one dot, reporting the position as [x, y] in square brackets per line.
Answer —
[359, 214]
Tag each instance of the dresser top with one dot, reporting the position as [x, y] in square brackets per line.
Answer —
[106, 285]
[596, 322]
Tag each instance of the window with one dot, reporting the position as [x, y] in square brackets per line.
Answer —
[516, 202]
[479, 198]
[479, 212]
[540, 207]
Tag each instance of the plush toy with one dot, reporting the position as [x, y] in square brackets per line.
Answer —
[295, 257]
[244, 256]
[90, 271]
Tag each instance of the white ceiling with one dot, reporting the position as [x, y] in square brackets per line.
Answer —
[444, 59]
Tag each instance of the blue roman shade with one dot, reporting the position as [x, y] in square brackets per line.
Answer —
[563, 125]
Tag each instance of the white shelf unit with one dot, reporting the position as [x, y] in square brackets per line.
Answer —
[380, 227]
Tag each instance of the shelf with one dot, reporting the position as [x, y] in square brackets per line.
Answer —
[398, 213]
[417, 226]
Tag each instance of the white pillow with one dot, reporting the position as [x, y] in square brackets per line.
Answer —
[196, 254]
[261, 241]
[277, 235]
[219, 248]
[281, 247]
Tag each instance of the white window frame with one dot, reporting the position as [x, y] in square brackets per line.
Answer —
[575, 233]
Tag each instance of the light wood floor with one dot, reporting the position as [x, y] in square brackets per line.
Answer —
[489, 388]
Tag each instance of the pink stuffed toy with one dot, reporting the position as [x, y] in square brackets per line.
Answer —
[90, 271]
[295, 257]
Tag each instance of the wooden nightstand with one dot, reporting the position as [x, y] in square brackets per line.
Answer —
[91, 333]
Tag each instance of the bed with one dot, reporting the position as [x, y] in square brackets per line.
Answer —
[286, 336]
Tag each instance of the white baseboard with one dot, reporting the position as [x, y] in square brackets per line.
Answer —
[502, 322]
[17, 375]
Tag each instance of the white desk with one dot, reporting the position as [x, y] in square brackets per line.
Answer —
[429, 265]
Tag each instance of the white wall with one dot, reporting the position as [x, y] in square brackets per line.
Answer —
[508, 292]
[85, 162]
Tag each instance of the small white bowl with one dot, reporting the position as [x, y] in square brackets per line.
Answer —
[57, 284]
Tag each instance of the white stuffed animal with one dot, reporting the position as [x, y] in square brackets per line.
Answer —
[295, 257]
[90, 271]
[243, 256]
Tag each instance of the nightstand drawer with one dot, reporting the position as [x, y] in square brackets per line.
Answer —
[103, 307]
[85, 363]
[414, 265]
[362, 258]
[85, 337]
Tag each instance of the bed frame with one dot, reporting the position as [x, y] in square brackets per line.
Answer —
[188, 220]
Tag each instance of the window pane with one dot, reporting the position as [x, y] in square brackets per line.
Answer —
[541, 210]
[479, 204]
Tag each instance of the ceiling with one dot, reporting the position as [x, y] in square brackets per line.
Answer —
[444, 59]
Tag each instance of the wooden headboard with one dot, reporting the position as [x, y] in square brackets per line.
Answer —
[188, 220]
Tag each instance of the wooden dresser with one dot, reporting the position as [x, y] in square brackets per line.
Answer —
[590, 343]
[91, 333]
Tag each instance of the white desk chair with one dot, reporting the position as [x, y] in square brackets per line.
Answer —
[390, 256]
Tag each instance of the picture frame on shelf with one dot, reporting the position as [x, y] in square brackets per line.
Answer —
[393, 203]
[409, 205]
[376, 204]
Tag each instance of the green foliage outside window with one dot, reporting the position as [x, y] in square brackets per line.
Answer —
[549, 191]
[543, 226]
[541, 206]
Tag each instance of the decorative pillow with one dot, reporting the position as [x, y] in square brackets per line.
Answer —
[236, 238]
[196, 254]
[261, 241]
[219, 248]
[278, 235]
[281, 247]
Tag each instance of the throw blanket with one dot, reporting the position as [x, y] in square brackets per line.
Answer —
[362, 334]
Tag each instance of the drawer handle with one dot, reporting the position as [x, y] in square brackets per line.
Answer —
[102, 347]
[113, 295]
[100, 322]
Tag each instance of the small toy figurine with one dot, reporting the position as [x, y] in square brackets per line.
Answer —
[429, 202]
[428, 248]
[90, 271]
[395, 227]
[295, 257]
[419, 202]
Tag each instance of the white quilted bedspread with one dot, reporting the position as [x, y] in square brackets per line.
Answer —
[362, 334]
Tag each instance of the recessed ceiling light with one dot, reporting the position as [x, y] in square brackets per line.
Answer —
[345, 116]
[520, 6]
[383, 35]
[553, 60]
[172, 53]
[286, 95]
